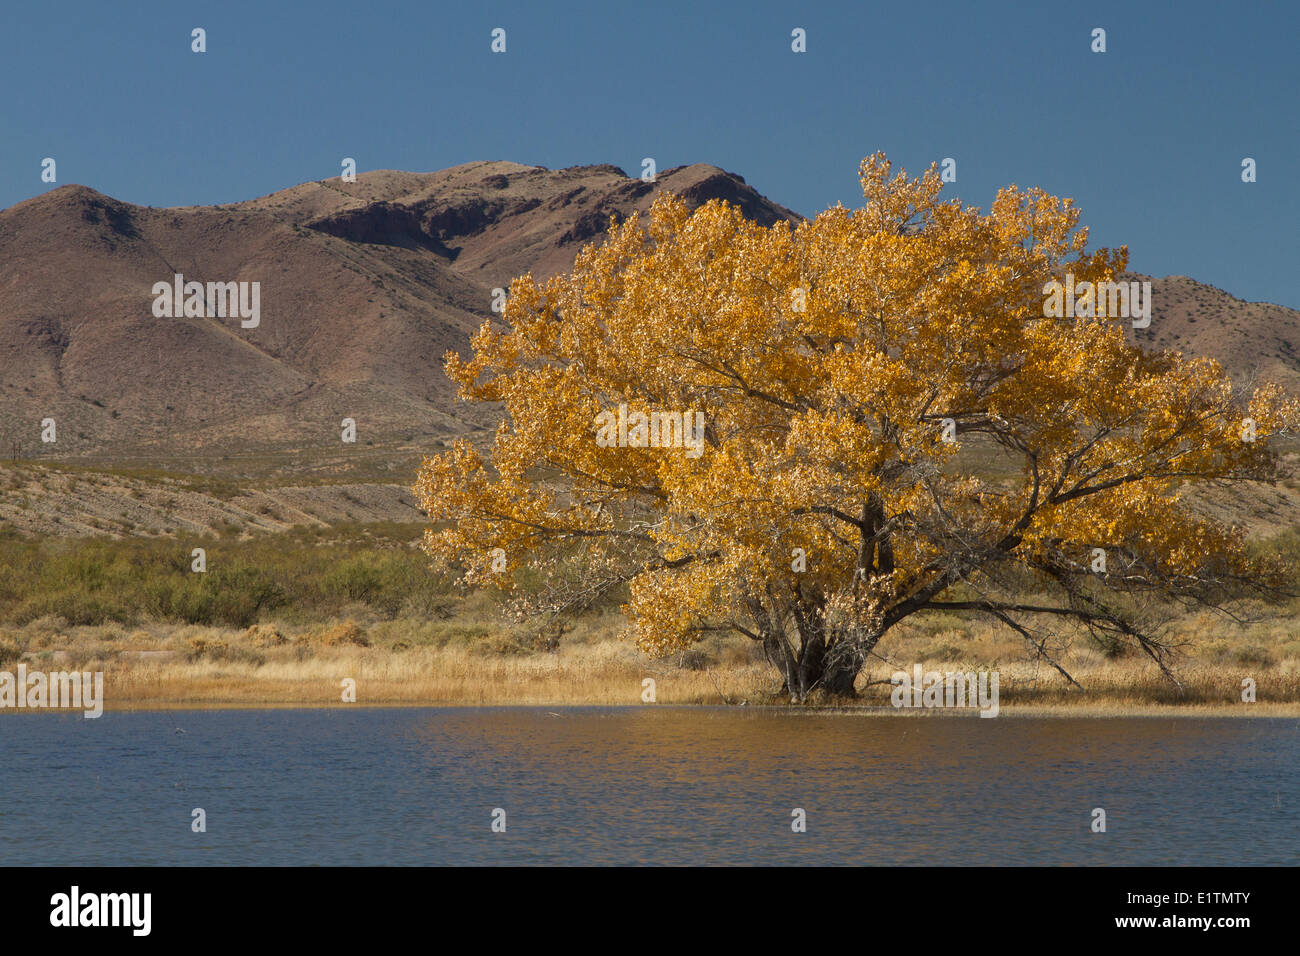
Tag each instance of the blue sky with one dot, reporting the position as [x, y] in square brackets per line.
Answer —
[1148, 137]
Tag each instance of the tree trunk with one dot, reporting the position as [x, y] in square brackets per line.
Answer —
[838, 681]
[837, 662]
[825, 663]
[815, 670]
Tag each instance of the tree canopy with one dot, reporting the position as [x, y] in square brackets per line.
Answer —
[891, 424]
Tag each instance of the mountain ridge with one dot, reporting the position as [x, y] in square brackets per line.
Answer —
[365, 286]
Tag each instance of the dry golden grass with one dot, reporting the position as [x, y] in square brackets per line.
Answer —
[596, 674]
[467, 662]
[358, 601]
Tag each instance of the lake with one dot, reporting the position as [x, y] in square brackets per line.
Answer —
[650, 784]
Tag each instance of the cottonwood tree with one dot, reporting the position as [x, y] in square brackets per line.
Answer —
[835, 362]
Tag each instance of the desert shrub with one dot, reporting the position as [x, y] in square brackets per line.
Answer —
[502, 644]
[76, 605]
[265, 635]
[10, 652]
[204, 649]
[356, 579]
[1252, 655]
[346, 632]
[201, 647]
[695, 659]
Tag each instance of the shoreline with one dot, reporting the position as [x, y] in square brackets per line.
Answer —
[448, 664]
[1098, 709]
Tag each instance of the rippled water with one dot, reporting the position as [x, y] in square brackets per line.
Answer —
[644, 785]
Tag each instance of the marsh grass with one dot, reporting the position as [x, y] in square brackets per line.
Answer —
[284, 618]
[472, 662]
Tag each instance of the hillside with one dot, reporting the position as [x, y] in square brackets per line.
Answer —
[364, 287]
[1253, 340]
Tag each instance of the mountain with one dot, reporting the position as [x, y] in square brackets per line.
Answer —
[1253, 340]
[364, 287]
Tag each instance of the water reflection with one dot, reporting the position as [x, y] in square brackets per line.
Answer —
[645, 785]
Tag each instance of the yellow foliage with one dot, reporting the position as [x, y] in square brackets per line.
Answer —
[826, 357]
